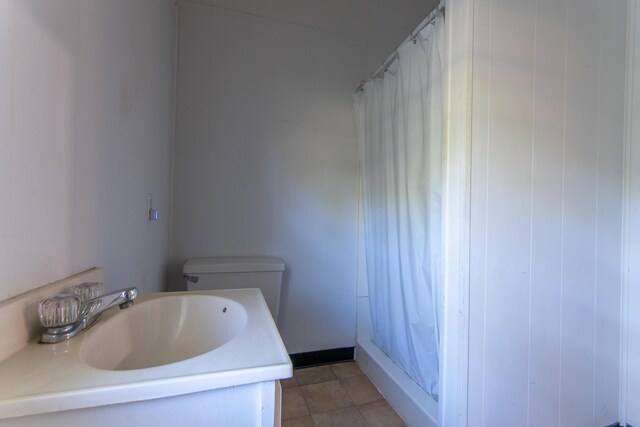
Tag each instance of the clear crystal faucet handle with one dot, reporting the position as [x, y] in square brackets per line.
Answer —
[87, 291]
[59, 311]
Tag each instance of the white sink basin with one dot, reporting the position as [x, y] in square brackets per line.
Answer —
[162, 331]
[166, 345]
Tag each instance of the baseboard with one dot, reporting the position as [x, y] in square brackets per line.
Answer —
[322, 357]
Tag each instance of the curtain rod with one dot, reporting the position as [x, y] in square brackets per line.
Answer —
[412, 36]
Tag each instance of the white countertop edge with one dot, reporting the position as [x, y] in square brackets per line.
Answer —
[166, 382]
[140, 391]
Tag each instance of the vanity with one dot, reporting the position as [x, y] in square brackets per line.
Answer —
[183, 358]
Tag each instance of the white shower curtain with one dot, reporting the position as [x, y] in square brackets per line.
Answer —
[400, 132]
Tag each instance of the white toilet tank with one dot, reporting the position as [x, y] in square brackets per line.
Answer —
[264, 273]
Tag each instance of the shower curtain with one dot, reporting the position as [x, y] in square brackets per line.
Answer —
[400, 131]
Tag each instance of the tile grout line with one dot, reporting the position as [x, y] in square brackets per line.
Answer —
[305, 400]
[353, 403]
[362, 415]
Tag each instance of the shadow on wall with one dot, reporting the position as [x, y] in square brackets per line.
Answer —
[38, 122]
[79, 109]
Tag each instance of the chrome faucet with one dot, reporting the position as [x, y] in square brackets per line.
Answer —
[64, 316]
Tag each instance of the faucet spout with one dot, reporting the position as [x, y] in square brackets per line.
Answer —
[93, 308]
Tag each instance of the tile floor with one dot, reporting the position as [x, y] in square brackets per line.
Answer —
[334, 395]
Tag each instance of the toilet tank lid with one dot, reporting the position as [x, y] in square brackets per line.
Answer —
[232, 265]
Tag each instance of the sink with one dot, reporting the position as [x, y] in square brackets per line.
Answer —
[162, 331]
[168, 355]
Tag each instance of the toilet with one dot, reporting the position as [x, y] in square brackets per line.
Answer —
[264, 273]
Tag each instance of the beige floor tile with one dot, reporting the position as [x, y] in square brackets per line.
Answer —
[346, 417]
[346, 370]
[381, 414]
[315, 375]
[324, 397]
[299, 422]
[289, 382]
[360, 389]
[293, 404]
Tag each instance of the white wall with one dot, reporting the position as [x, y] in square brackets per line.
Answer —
[86, 119]
[389, 23]
[266, 155]
[381, 24]
[266, 160]
[547, 151]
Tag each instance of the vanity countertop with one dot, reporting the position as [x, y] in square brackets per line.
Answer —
[41, 378]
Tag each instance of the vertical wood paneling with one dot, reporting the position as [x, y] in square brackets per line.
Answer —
[479, 192]
[607, 311]
[546, 201]
[511, 84]
[546, 217]
[631, 343]
[455, 228]
[579, 211]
